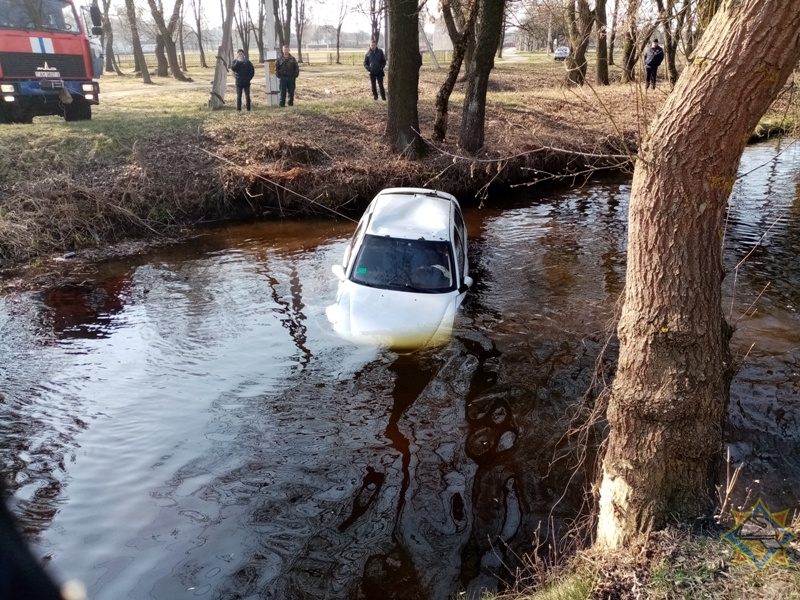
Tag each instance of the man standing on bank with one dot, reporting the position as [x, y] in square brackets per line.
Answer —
[652, 58]
[374, 62]
[287, 70]
[244, 71]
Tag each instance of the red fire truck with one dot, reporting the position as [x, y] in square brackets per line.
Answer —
[49, 57]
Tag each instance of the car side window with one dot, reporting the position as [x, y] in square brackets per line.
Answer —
[460, 238]
[348, 253]
[459, 243]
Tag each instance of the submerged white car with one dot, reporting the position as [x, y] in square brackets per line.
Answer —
[405, 271]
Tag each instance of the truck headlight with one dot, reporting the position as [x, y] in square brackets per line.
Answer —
[89, 96]
[6, 88]
[87, 87]
[8, 98]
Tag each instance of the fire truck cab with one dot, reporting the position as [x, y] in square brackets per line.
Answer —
[49, 59]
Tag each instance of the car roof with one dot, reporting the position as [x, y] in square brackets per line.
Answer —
[412, 213]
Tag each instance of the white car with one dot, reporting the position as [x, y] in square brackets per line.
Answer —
[561, 53]
[405, 271]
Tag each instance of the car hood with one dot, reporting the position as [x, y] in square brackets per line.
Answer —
[399, 320]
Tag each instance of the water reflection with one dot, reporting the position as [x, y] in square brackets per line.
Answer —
[185, 423]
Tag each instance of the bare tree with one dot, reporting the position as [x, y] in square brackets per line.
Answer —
[454, 13]
[602, 46]
[630, 47]
[130, 9]
[459, 50]
[374, 10]
[258, 30]
[344, 10]
[108, 39]
[613, 36]
[243, 24]
[580, 22]
[487, 38]
[166, 30]
[282, 11]
[668, 401]
[197, 14]
[402, 123]
[672, 16]
[299, 26]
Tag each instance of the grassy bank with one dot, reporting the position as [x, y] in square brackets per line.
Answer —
[675, 564]
[155, 160]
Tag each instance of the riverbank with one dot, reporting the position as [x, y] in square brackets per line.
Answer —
[155, 162]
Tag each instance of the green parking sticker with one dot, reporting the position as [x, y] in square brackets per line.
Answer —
[361, 270]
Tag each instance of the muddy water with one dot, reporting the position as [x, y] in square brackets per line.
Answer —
[184, 424]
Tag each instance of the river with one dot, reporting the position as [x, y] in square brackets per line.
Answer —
[184, 424]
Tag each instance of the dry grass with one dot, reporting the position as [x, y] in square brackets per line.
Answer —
[155, 160]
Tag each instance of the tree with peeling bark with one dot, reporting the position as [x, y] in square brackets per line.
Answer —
[668, 400]
[459, 51]
[402, 123]
[474, 111]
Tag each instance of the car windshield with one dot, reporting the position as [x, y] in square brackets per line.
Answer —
[406, 265]
[38, 15]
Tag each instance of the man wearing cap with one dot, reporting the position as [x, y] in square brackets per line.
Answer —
[652, 58]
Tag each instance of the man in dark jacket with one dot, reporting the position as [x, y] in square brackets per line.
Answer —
[287, 70]
[652, 58]
[244, 72]
[374, 62]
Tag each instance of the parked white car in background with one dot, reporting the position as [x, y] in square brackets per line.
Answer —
[561, 53]
[404, 272]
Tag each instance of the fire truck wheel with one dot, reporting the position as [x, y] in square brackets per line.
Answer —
[78, 110]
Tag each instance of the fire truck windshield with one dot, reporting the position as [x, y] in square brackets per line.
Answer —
[38, 15]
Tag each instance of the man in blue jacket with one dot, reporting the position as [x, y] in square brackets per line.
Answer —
[652, 58]
[244, 71]
[374, 62]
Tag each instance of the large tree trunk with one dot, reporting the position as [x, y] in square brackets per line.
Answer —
[474, 112]
[130, 10]
[580, 29]
[166, 35]
[669, 397]
[629, 45]
[459, 50]
[402, 124]
[602, 46]
[162, 70]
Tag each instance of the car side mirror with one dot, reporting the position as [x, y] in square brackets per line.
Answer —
[96, 15]
[338, 270]
[466, 285]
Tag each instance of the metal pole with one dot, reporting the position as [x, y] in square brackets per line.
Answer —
[270, 56]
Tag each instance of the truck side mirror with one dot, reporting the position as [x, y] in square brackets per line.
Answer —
[97, 17]
[96, 30]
